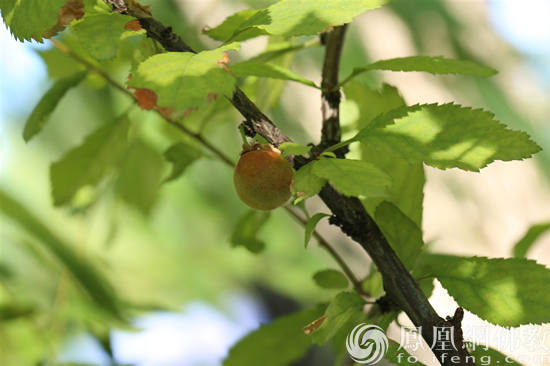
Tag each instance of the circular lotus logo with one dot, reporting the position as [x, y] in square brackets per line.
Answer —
[367, 344]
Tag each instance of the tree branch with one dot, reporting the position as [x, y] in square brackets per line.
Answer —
[330, 107]
[324, 244]
[349, 214]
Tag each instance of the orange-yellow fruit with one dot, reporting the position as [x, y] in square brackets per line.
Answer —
[262, 179]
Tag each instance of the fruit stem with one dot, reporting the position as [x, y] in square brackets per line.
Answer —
[243, 136]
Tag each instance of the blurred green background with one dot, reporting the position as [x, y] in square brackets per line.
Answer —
[191, 293]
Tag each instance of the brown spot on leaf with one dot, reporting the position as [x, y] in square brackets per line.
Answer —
[212, 97]
[189, 110]
[133, 25]
[146, 98]
[166, 112]
[73, 9]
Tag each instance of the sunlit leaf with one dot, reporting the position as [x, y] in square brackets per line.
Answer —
[294, 18]
[353, 177]
[100, 34]
[27, 19]
[507, 292]
[183, 80]
[431, 64]
[225, 30]
[446, 136]
[407, 190]
[292, 148]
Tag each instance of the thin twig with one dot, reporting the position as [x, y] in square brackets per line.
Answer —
[324, 244]
[66, 50]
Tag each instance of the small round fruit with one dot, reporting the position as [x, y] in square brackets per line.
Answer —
[263, 178]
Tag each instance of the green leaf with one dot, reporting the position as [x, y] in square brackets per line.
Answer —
[331, 279]
[507, 292]
[88, 163]
[343, 313]
[59, 64]
[278, 343]
[225, 30]
[27, 19]
[82, 270]
[446, 136]
[404, 236]
[373, 284]
[252, 68]
[353, 177]
[140, 177]
[100, 33]
[431, 64]
[328, 154]
[247, 228]
[277, 48]
[300, 17]
[181, 156]
[292, 148]
[311, 224]
[47, 104]
[495, 357]
[307, 183]
[407, 190]
[526, 242]
[184, 80]
[372, 102]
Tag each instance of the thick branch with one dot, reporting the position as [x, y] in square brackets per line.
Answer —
[349, 215]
